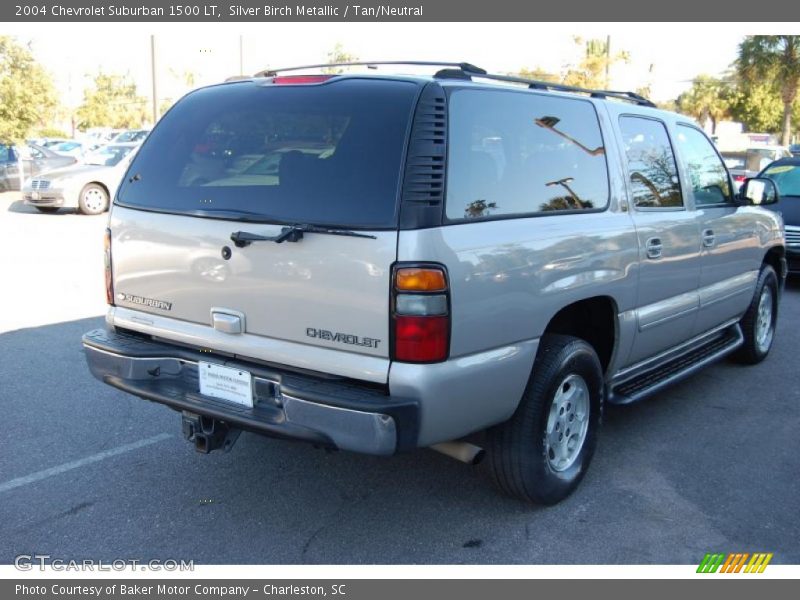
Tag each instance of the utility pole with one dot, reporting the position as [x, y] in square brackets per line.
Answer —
[241, 56]
[153, 71]
[608, 62]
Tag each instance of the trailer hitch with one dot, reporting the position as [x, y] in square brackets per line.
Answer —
[208, 434]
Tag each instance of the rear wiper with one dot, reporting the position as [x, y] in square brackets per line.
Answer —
[292, 233]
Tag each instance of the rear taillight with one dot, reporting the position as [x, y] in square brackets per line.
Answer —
[739, 178]
[107, 264]
[420, 314]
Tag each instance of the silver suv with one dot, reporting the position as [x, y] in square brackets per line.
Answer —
[378, 263]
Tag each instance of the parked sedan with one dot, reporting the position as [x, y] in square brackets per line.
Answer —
[32, 159]
[786, 175]
[87, 187]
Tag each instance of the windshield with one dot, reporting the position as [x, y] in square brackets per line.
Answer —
[109, 156]
[786, 177]
[327, 154]
[66, 146]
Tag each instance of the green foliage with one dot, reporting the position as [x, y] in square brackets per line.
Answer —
[539, 75]
[27, 96]
[336, 56]
[708, 98]
[112, 102]
[773, 60]
[591, 71]
[50, 132]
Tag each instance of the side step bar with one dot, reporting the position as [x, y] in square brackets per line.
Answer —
[675, 369]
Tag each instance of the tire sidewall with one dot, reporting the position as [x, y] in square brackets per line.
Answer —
[768, 278]
[552, 484]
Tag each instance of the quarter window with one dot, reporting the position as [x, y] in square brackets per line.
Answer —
[520, 153]
[651, 163]
[707, 173]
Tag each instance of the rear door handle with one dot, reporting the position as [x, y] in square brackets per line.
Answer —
[653, 247]
[708, 238]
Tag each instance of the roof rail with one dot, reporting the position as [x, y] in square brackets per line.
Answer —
[465, 70]
[464, 67]
[548, 85]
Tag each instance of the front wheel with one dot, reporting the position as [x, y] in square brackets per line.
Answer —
[758, 323]
[542, 452]
[93, 200]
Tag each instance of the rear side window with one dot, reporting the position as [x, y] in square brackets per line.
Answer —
[520, 153]
[651, 163]
[327, 154]
[707, 173]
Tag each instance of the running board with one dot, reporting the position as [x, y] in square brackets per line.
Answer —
[680, 367]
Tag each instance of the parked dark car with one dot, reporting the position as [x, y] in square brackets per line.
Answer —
[786, 175]
[33, 159]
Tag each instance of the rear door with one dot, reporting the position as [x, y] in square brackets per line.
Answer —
[256, 158]
[668, 234]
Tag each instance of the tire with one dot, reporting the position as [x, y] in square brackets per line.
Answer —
[47, 209]
[93, 199]
[526, 459]
[758, 322]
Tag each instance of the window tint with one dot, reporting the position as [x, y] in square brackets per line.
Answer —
[5, 153]
[327, 154]
[651, 163]
[786, 177]
[707, 173]
[521, 153]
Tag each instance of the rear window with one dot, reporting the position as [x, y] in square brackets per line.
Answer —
[327, 154]
[518, 153]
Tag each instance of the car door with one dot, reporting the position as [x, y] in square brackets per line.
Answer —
[668, 236]
[730, 254]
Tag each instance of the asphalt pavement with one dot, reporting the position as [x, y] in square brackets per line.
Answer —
[87, 472]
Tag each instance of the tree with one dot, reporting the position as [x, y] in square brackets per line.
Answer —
[28, 98]
[757, 105]
[337, 56]
[709, 98]
[538, 74]
[112, 102]
[773, 58]
[592, 71]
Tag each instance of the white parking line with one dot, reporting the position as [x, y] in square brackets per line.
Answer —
[82, 462]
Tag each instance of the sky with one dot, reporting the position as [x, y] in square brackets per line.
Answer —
[665, 55]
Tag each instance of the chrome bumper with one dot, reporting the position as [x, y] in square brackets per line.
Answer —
[280, 409]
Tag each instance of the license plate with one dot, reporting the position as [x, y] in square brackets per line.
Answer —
[233, 385]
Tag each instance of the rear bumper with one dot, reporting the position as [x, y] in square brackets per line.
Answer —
[332, 412]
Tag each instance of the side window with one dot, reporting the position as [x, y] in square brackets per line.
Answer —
[34, 153]
[651, 163]
[709, 178]
[5, 154]
[518, 153]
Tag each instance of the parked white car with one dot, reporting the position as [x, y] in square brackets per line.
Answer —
[87, 187]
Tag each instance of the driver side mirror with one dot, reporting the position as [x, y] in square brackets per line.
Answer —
[759, 191]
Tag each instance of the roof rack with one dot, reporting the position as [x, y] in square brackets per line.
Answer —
[462, 66]
[536, 84]
[465, 70]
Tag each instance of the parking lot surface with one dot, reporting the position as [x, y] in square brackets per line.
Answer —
[710, 464]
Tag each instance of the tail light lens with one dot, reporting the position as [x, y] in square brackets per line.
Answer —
[739, 178]
[421, 314]
[107, 264]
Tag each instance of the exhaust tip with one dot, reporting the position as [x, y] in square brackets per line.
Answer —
[465, 452]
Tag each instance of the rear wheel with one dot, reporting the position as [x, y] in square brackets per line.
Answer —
[542, 452]
[93, 199]
[47, 209]
[758, 323]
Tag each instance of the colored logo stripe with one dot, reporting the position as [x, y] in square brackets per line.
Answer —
[735, 562]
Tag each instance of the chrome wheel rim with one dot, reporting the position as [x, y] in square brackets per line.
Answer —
[567, 423]
[94, 199]
[764, 328]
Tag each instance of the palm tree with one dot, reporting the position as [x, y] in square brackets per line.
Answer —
[707, 99]
[775, 57]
